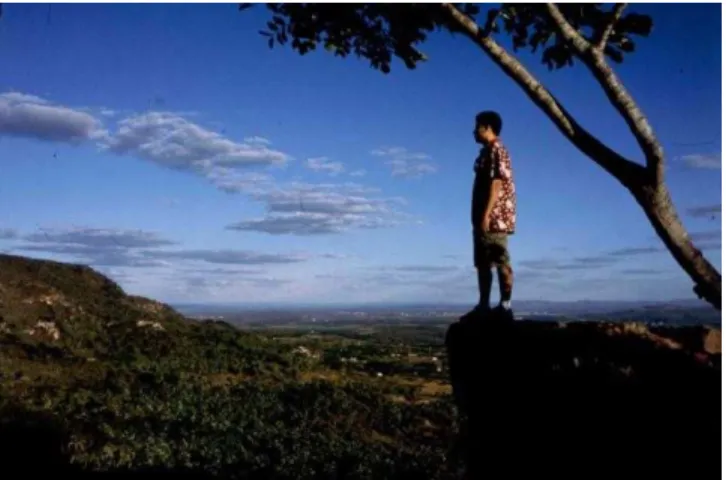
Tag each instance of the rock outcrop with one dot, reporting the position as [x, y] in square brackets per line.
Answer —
[586, 400]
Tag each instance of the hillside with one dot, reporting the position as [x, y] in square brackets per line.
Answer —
[73, 307]
[95, 381]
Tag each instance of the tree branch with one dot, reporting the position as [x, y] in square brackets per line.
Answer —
[602, 40]
[616, 93]
[626, 171]
[580, 43]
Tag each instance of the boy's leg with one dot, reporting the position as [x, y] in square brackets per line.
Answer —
[485, 278]
[505, 275]
[483, 269]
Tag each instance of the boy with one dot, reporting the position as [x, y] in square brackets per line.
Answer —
[493, 212]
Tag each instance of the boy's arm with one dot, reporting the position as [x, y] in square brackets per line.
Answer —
[502, 170]
[496, 184]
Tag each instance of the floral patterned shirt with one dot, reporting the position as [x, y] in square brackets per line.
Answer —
[493, 163]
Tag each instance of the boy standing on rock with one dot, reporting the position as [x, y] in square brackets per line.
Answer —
[493, 213]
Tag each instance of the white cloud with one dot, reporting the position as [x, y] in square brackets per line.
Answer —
[18, 97]
[98, 237]
[404, 168]
[309, 209]
[309, 199]
[310, 223]
[357, 173]
[8, 234]
[388, 151]
[703, 161]
[404, 163]
[226, 256]
[95, 256]
[24, 115]
[96, 246]
[173, 141]
[322, 164]
[120, 258]
[103, 248]
[222, 271]
[233, 181]
[257, 140]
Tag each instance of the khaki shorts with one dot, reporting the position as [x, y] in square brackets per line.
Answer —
[491, 249]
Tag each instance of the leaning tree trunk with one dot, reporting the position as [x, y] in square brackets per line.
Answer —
[658, 207]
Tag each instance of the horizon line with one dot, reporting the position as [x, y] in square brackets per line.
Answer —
[424, 304]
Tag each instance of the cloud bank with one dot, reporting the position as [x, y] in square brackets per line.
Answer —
[319, 209]
[137, 248]
[172, 141]
[29, 116]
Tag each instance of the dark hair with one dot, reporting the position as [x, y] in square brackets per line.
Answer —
[489, 119]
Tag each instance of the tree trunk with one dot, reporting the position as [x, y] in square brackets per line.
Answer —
[658, 207]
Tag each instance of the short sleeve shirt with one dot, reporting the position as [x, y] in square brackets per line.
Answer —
[493, 163]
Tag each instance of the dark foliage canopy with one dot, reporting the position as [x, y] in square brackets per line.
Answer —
[378, 32]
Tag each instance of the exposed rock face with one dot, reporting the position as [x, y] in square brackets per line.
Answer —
[49, 330]
[72, 306]
[586, 400]
[150, 324]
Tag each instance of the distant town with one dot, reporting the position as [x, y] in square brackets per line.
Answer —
[685, 312]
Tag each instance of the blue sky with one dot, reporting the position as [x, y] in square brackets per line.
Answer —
[168, 147]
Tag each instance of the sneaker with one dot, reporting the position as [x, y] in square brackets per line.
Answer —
[505, 314]
[477, 312]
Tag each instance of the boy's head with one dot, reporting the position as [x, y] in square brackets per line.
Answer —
[487, 127]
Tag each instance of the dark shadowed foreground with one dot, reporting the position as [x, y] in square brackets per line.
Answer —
[586, 400]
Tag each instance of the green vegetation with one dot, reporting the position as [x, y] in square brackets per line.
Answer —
[212, 398]
[132, 386]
